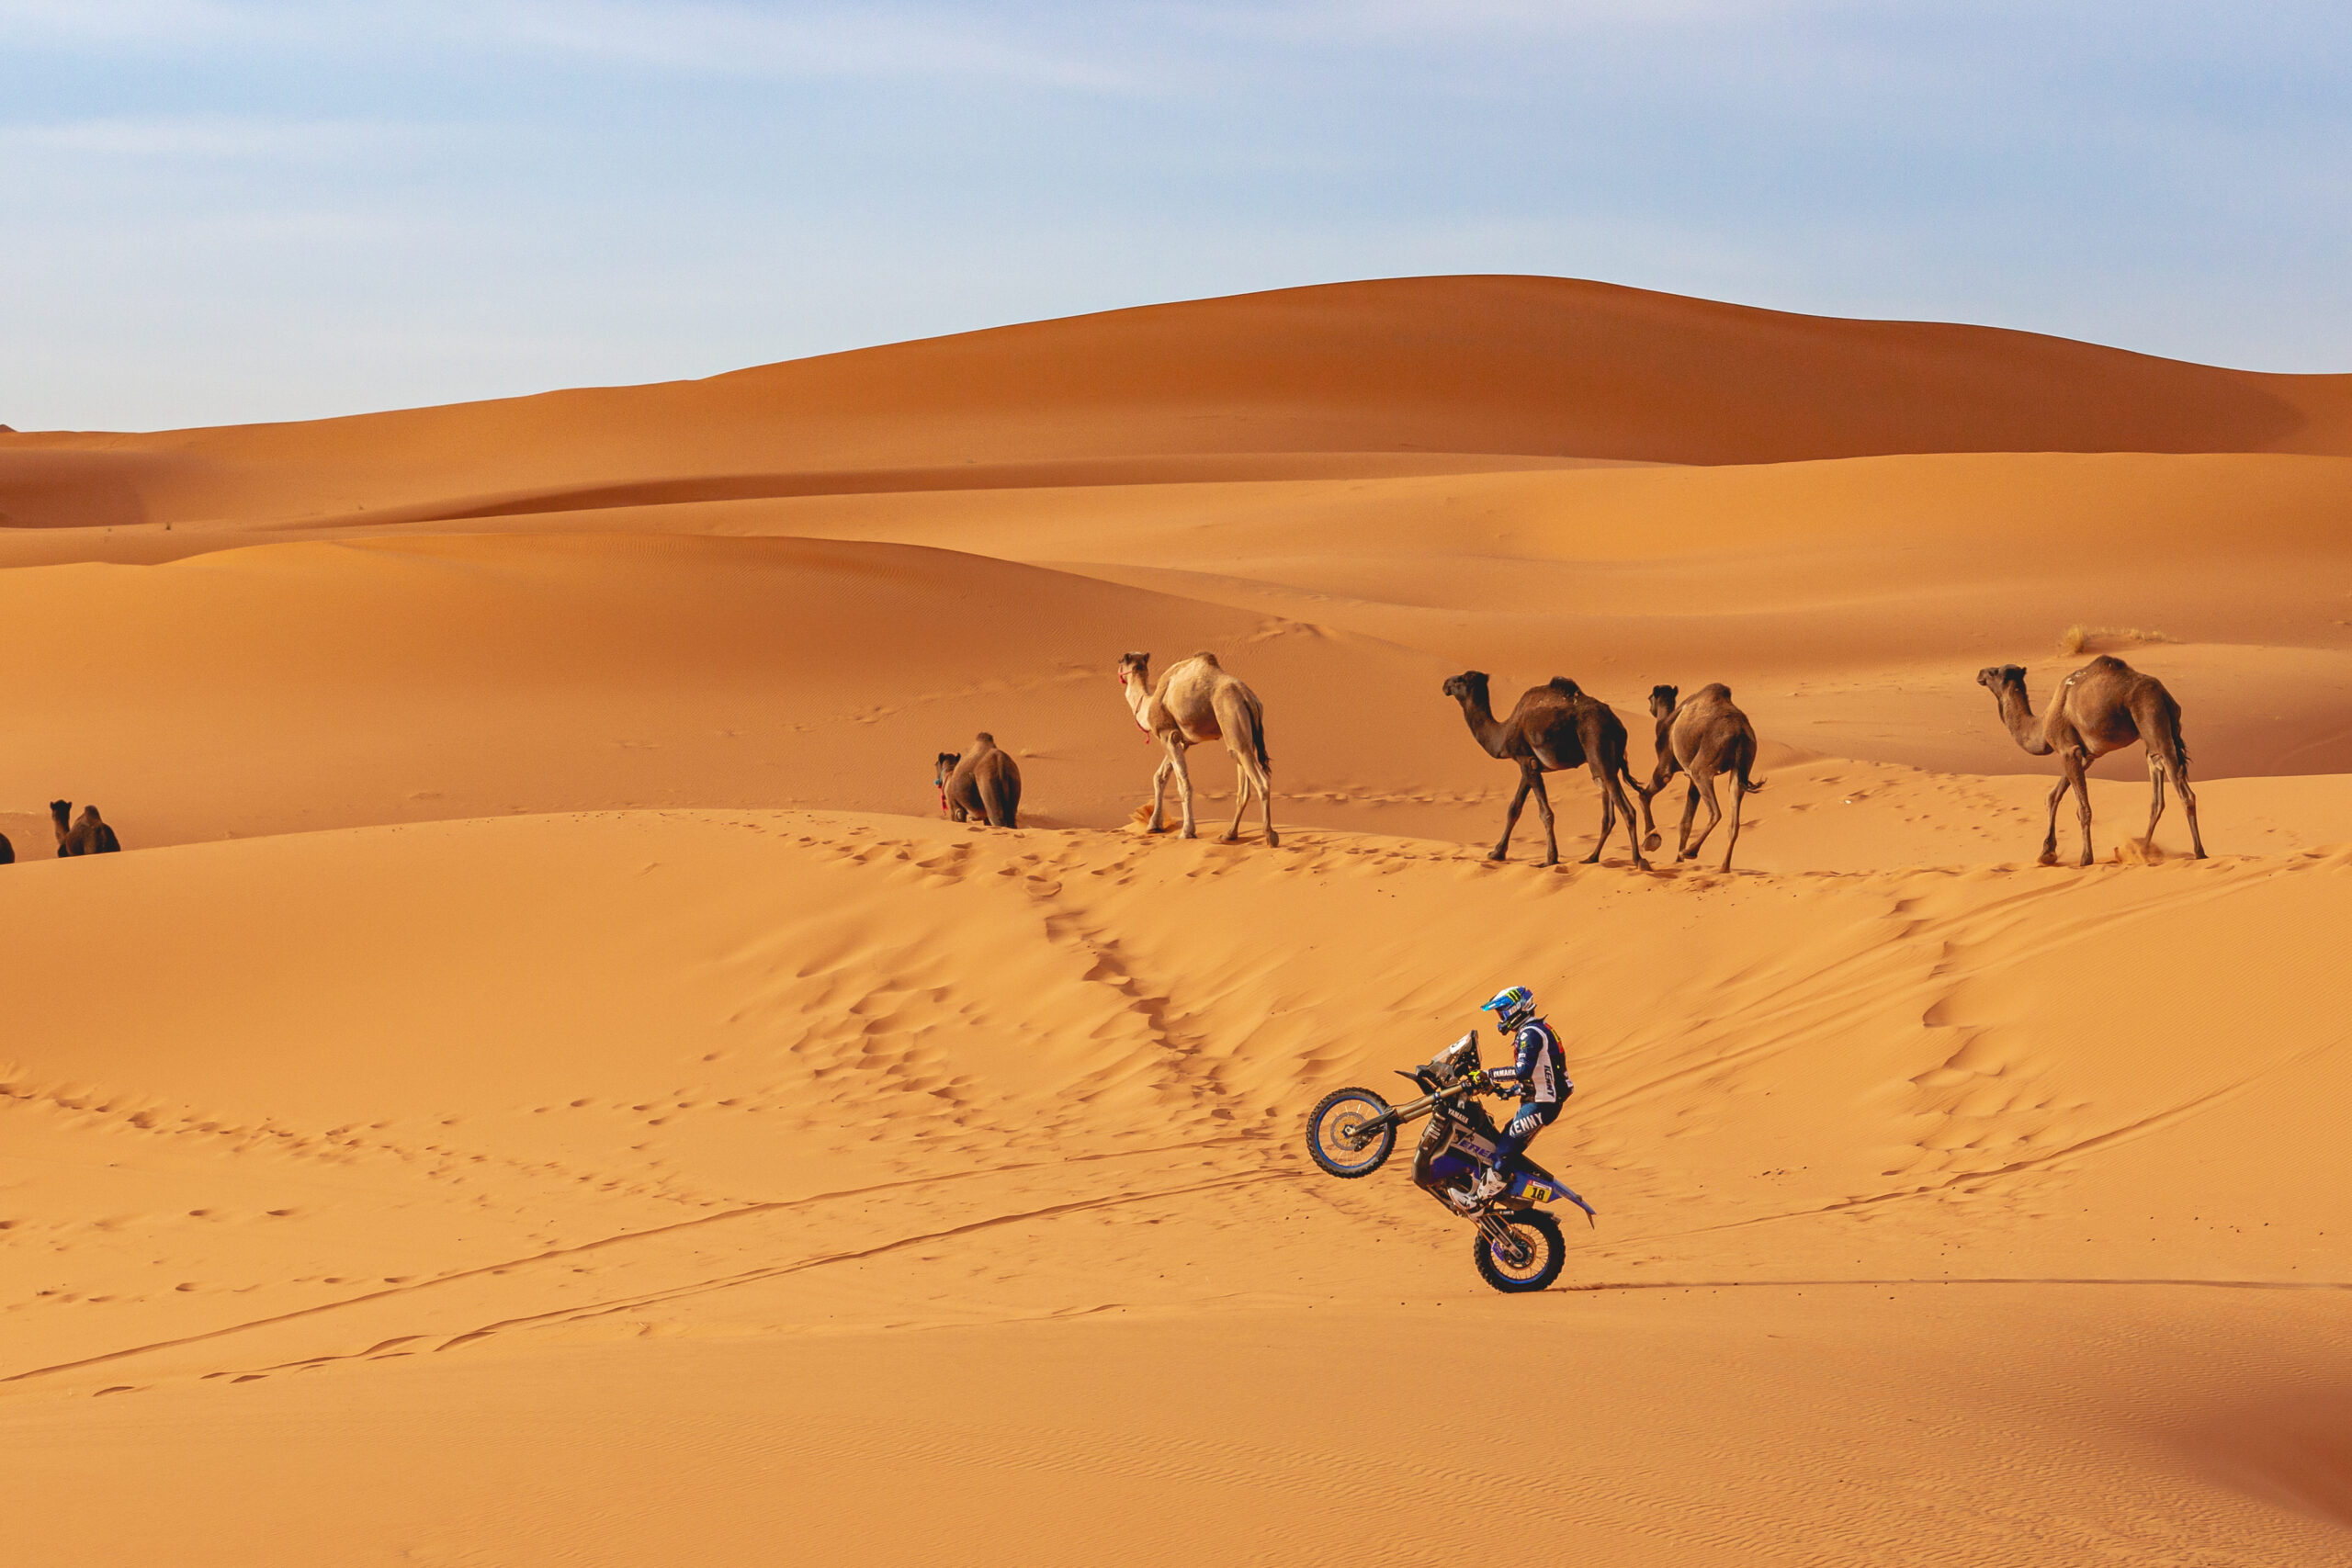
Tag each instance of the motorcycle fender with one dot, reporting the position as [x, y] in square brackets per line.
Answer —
[1535, 1190]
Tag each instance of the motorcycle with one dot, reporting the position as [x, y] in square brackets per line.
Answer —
[1352, 1133]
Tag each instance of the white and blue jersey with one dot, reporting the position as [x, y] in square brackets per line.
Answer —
[1539, 1068]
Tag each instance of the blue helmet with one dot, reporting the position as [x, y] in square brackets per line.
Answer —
[1511, 1008]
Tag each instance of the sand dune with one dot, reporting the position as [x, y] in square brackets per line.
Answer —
[547, 1086]
[1522, 365]
[978, 1153]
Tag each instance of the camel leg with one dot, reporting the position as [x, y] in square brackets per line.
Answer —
[2188, 804]
[2159, 723]
[1689, 815]
[1264, 786]
[1632, 845]
[2078, 773]
[1183, 786]
[1159, 796]
[1607, 818]
[1241, 799]
[1737, 794]
[2166, 753]
[1543, 805]
[1658, 778]
[1612, 801]
[1714, 811]
[1511, 817]
[2156, 799]
[2050, 839]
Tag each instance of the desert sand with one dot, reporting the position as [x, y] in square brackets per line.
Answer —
[546, 1085]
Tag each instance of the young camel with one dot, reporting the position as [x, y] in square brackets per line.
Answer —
[1700, 738]
[2102, 707]
[1554, 728]
[986, 784]
[1197, 701]
[88, 836]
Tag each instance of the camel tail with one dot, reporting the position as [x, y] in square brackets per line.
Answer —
[1258, 734]
[1748, 761]
[2179, 740]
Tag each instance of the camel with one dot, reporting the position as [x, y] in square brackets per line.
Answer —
[1700, 738]
[1554, 728]
[1197, 701]
[7, 851]
[2102, 707]
[88, 836]
[984, 783]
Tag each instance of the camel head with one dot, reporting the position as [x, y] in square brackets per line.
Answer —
[1662, 700]
[2002, 678]
[946, 768]
[1470, 686]
[1135, 668]
[63, 810]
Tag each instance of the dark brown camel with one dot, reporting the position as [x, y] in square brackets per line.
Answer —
[986, 784]
[7, 851]
[2102, 707]
[88, 836]
[1701, 738]
[1554, 728]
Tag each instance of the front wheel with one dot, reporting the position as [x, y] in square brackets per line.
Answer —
[1337, 1139]
[1530, 1253]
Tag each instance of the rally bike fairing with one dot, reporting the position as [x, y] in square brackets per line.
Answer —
[1354, 1131]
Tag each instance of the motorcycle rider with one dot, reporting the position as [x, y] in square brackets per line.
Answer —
[1539, 1072]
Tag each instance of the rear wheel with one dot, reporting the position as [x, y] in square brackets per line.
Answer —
[1337, 1139]
[1530, 1254]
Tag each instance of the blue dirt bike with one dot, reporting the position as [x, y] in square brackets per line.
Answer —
[1352, 1132]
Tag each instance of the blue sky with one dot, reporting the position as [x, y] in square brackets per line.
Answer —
[215, 212]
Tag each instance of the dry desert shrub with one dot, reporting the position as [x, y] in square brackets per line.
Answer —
[2080, 638]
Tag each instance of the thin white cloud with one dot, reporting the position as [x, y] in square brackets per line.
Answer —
[732, 38]
[216, 138]
[119, 21]
[1461, 21]
[797, 40]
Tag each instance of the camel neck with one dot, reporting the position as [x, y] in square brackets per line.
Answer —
[1483, 724]
[2017, 712]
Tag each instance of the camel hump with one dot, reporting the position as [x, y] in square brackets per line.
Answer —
[1564, 686]
[984, 738]
[1719, 692]
[1208, 659]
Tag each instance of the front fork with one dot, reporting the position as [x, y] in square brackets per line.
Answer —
[1506, 1242]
